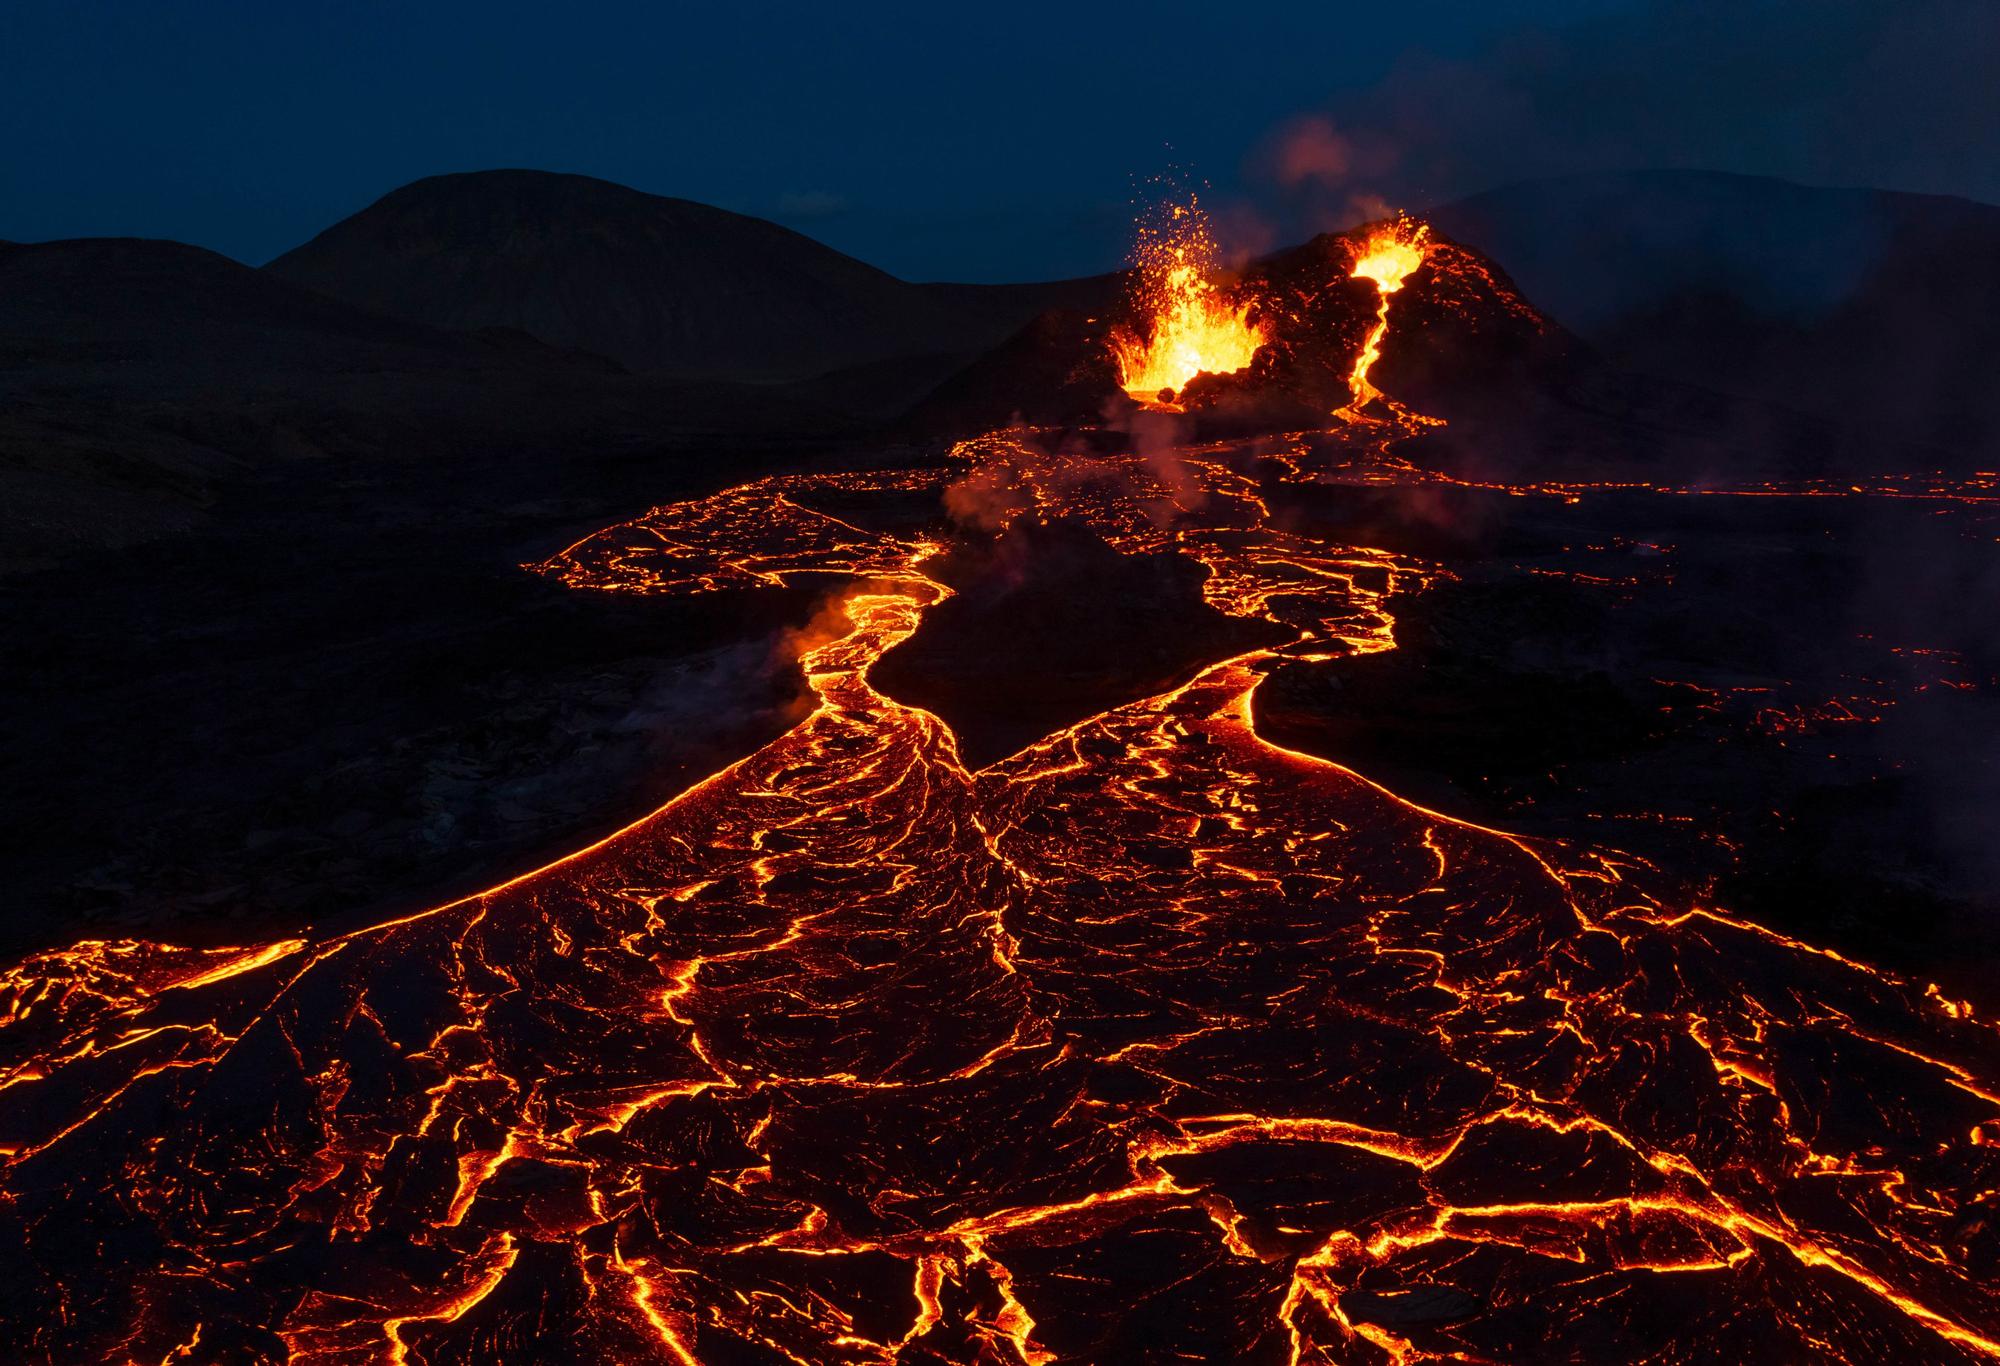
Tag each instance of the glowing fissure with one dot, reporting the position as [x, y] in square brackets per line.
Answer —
[1388, 256]
[1191, 326]
[849, 1054]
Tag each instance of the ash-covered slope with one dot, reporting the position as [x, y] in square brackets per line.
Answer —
[658, 284]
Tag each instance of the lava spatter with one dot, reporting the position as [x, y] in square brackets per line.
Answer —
[1152, 1041]
[1190, 324]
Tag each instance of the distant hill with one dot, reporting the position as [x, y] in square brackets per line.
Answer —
[1851, 304]
[552, 318]
[663, 285]
[139, 378]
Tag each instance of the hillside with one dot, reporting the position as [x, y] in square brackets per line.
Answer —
[659, 284]
[138, 379]
[1849, 304]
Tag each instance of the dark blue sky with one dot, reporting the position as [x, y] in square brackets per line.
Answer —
[936, 140]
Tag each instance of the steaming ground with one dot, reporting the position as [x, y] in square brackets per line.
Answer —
[1777, 696]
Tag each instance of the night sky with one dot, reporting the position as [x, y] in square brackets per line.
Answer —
[942, 141]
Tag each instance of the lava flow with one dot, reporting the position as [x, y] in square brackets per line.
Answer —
[1387, 256]
[1153, 1041]
[1193, 327]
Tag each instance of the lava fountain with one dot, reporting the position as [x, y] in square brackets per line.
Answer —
[1388, 256]
[1194, 326]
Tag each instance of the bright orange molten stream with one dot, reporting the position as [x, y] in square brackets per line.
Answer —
[1195, 328]
[852, 1054]
[1388, 257]
[1155, 1040]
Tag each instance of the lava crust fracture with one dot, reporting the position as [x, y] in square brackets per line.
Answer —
[1152, 1041]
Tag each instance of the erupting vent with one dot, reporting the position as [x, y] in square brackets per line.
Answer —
[1388, 257]
[1152, 1040]
[1194, 328]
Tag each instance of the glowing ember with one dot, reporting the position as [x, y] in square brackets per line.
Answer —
[1195, 328]
[1388, 257]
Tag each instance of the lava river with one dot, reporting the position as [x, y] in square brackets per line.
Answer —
[1151, 1042]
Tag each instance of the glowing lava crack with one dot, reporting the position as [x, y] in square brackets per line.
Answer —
[1387, 256]
[1151, 1042]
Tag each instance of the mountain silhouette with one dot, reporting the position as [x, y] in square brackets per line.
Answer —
[658, 284]
[140, 378]
[1845, 303]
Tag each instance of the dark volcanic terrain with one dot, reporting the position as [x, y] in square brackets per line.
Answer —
[259, 553]
[1049, 626]
[1479, 854]
[1781, 698]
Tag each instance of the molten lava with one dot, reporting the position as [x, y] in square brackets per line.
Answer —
[1152, 1041]
[1388, 257]
[1192, 327]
